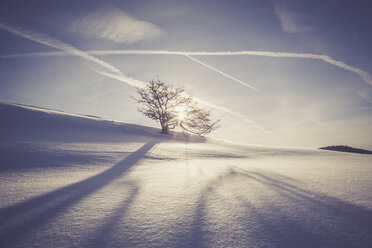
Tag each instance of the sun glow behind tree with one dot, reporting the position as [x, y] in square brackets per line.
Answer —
[181, 112]
[173, 107]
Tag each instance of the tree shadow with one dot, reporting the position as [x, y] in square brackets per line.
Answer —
[26, 156]
[104, 234]
[45, 157]
[321, 220]
[20, 219]
[297, 218]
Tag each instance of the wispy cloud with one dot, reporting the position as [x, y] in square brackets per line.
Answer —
[290, 21]
[111, 23]
[107, 69]
[363, 74]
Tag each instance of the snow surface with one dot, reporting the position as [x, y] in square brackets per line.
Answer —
[75, 181]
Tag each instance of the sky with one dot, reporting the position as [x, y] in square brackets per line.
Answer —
[278, 73]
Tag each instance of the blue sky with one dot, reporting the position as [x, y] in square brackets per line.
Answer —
[302, 77]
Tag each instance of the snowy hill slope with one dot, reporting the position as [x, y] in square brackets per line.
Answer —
[77, 181]
[20, 122]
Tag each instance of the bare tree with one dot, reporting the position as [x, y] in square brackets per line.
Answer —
[197, 120]
[173, 107]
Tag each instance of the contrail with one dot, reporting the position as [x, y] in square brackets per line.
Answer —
[253, 88]
[48, 41]
[228, 76]
[362, 74]
[121, 77]
[110, 71]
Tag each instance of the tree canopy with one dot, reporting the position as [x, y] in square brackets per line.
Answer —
[173, 107]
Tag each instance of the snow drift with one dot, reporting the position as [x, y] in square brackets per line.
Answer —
[78, 181]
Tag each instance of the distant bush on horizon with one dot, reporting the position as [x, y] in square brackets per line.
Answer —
[342, 148]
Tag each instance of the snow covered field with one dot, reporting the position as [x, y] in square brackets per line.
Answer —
[73, 181]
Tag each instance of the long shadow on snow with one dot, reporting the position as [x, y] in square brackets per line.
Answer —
[106, 233]
[10, 159]
[33, 213]
[301, 218]
[44, 156]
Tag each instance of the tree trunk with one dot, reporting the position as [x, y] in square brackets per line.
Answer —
[164, 129]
